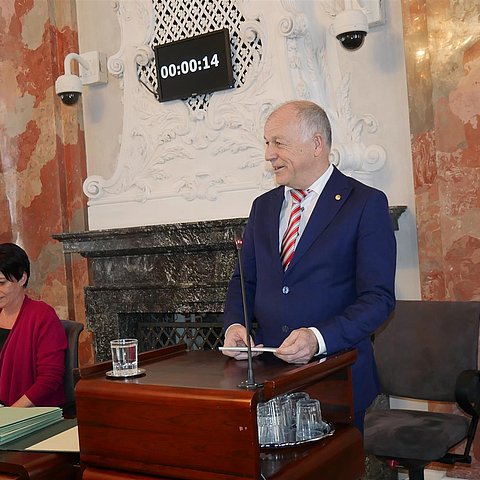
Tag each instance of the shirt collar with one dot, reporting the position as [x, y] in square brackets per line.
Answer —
[318, 185]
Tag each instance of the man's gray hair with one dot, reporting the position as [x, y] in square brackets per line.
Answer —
[312, 118]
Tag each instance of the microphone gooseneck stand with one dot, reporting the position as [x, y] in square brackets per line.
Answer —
[249, 383]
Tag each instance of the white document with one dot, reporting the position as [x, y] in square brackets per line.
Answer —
[66, 441]
[245, 349]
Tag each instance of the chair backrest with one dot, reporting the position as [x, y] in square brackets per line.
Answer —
[425, 345]
[72, 329]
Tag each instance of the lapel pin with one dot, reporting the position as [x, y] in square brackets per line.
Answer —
[338, 197]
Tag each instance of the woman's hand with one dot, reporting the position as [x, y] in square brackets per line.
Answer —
[23, 402]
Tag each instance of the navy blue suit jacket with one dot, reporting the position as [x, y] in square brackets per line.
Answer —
[341, 278]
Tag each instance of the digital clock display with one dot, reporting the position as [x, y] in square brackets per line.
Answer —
[195, 65]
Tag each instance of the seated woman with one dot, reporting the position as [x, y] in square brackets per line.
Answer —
[32, 339]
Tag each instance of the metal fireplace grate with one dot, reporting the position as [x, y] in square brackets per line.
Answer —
[199, 331]
[197, 335]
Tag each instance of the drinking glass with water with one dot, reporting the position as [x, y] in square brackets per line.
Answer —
[124, 356]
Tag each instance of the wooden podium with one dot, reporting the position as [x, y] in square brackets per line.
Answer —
[187, 419]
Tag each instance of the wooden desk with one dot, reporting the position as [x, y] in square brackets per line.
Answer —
[187, 419]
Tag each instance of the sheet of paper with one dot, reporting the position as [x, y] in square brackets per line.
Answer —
[66, 441]
[254, 349]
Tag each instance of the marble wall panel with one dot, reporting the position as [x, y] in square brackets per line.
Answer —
[42, 152]
[442, 44]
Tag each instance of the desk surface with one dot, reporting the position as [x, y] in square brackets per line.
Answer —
[202, 369]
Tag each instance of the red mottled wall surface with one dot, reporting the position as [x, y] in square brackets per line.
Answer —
[442, 47]
[42, 152]
[442, 41]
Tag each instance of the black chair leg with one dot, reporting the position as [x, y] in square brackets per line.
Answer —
[416, 474]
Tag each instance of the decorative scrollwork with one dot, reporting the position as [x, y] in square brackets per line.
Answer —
[356, 157]
[375, 158]
[249, 32]
[286, 26]
[92, 187]
[294, 26]
[116, 66]
[143, 55]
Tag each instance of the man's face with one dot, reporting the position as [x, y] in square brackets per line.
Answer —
[296, 160]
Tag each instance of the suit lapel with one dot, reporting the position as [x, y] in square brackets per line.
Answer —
[272, 224]
[329, 203]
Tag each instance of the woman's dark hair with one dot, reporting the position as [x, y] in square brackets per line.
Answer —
[14, 262]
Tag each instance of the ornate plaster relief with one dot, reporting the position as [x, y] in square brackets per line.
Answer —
[204, 148]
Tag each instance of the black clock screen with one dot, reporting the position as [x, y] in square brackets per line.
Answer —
[200, 64]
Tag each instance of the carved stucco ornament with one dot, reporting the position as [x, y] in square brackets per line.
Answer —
[349, 153]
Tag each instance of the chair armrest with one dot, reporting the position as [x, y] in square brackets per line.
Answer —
[467, 392]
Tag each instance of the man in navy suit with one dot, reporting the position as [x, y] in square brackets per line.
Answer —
[335, 286]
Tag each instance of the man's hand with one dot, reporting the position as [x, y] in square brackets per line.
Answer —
[299, 347]
[236, 336]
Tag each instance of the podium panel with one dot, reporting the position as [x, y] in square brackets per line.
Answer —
[186, 418]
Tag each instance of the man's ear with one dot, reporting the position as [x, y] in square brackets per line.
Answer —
[318, 144]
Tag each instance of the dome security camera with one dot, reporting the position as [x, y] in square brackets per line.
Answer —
[69, 88]
[351, 27]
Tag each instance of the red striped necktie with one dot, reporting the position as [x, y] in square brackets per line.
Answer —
[291, 234]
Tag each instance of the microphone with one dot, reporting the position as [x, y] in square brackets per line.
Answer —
[249, 383]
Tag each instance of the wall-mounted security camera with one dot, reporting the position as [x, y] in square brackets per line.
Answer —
[92, 72]
[351, 27]
[68, 88]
